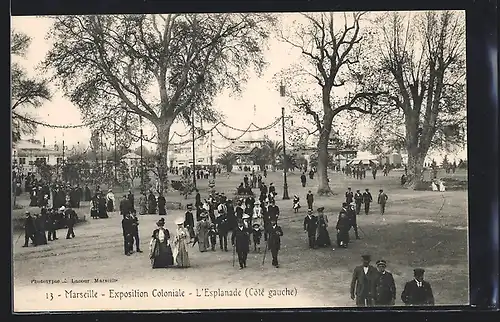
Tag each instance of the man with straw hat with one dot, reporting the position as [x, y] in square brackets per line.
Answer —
[385, 288]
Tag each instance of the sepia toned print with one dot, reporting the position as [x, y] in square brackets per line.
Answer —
[239, 160]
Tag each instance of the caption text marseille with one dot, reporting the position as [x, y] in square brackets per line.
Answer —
[248, 292]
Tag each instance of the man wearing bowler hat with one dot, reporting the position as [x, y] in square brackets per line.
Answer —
[417, 291]
[363, 280]
[385, 289]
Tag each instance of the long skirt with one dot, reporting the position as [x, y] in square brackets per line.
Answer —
[109, 205]
[182, 258]
[162, 211]
[323, 239]
[40, 237]
[102, 213]
[33, 201]
[203, 242]
[343, 238]
[163, 257]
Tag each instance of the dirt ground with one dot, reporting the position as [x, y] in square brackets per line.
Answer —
[422, 229]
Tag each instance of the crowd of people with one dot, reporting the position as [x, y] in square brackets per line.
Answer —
[241, 222]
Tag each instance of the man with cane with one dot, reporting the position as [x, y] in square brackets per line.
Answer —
[274, 242]
[240, 241]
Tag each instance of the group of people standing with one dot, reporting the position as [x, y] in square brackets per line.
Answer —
[372, 286]
[247, 219]
[358, 199]
[41, 228]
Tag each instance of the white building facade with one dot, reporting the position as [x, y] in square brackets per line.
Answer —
[26, 153]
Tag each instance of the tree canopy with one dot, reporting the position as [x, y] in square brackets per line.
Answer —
[161, 68]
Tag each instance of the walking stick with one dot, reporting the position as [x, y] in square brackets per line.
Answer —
[234, 253]
[265, 251]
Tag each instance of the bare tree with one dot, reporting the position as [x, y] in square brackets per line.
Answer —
[26, 92]
[157, 67]
[329, 53]
[422, 59]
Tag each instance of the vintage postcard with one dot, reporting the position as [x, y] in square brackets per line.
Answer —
[239, 160]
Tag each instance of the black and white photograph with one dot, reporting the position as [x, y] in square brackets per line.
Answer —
[188, 161]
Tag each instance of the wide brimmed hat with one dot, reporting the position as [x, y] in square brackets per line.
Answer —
[62, 208]
[179, 221]
[245, 216]
[160, 222]
[320, 209]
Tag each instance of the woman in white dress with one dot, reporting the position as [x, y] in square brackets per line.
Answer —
[110, 201]
[181, 256]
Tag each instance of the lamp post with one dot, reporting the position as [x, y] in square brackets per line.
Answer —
[194, 152]
[142, 168]
[115, 156]
[285, 169]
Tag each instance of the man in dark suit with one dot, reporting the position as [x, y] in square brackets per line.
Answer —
[130, 198]
[128, 240]
[358, 199]
[349, 196]
[363, 279]
[274, 241]
[51, 225]
[241, 240]
[310, 226]
[310, 200]
[135, 231]
[273, 210]
[343, 226]
[125, 206]
[367, 199]
[418, 291]
[71, 218]
[222, 230]
[382, 200]
[384, 293]
[29, 229]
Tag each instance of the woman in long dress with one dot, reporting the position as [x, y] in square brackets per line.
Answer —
[161, 205]
[143, 204]
[180, 251]
[323, 239]
[202, 228]
[110, 201]
[160, 251]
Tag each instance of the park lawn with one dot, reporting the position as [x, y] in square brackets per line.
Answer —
[322, 276]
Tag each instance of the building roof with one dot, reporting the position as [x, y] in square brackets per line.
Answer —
[242, 150]
[27, 148]
[131, 155]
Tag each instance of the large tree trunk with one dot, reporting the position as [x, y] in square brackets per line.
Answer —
[415, 169]
[163, 131]
[323, 185]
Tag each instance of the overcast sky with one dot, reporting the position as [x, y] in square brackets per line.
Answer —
[259, 103]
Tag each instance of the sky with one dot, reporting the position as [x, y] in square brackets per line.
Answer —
[259, 103]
